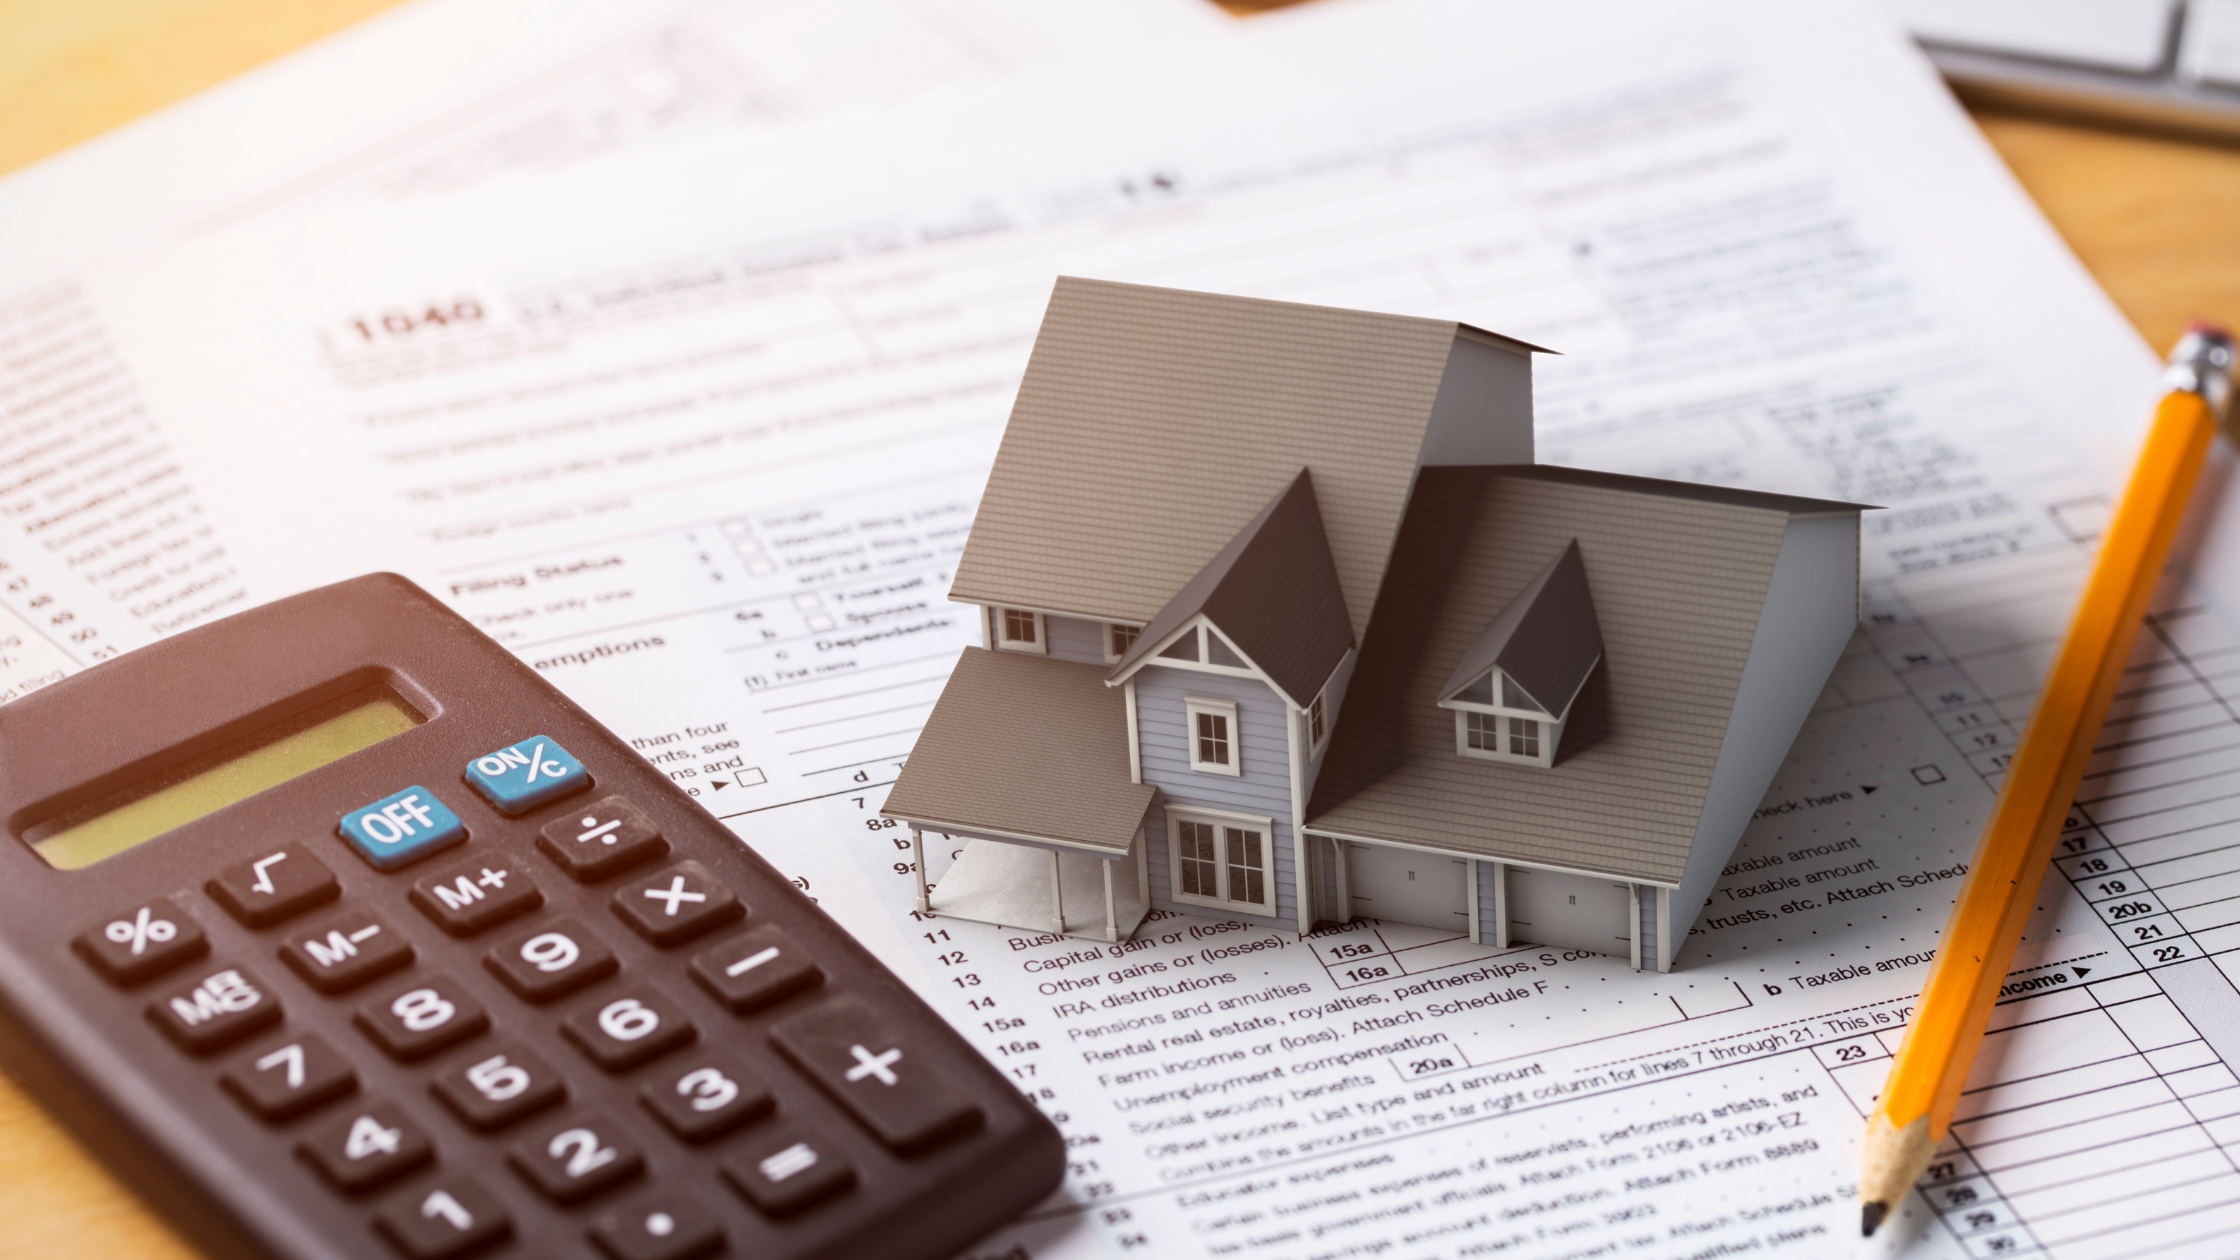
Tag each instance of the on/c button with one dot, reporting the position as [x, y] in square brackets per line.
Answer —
[401, 829]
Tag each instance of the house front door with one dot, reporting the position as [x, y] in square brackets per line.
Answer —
[1409, 886]
[1569, 911]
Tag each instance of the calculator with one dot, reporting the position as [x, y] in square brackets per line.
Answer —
[337, 931]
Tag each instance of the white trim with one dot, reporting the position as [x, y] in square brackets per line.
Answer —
[918, 858]
[1301, 869]
[1111, 912]
[1316, 745]
[1633, 904]
[1135, 735]
[1500, 905]
[987, 623]
[1057, 892]
[1111, 657]
[1485, 857]
[1551, 734]
[1142, 847]
[1665, 933]
[1199, 625]
[1041, 644]
[971, 833]
[1192, 707]
[1470, 872]
[1223, 821]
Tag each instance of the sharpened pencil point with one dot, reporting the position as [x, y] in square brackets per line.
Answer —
[1870, 1215]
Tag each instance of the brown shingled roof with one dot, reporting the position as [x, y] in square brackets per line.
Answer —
[1025, 745]
[1546, 640]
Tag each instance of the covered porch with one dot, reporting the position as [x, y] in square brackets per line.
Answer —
[1068, 893]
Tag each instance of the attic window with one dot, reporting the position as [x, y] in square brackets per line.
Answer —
[1317, 723]
[1514, 728]
[1018, 630]
[1118, 639]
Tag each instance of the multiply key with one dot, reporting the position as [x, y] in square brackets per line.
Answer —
[677, 904]
[886, 1082]
[603, 838]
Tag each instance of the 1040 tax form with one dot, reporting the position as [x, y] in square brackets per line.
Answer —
[698, 430]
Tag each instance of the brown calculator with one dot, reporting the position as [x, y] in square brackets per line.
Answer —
[337, 931]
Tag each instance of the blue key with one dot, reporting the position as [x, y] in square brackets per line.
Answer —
[518, 779]
[401, 829]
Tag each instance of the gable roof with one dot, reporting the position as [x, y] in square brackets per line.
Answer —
[1546, 640]
[1028, 746]
[1153, 423]
[1272, 591]
[1678, 575]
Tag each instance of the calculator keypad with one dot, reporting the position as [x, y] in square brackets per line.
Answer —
[346, 950]
[844, 1047]
[550, 961]
[219, 1007]
[786, 1170]
[677, 904]
[705, 1097]
[602, 839]
[142, 943]
[759, 969]
[449, 1220]
[427, 1014]
[623, 1030]
[476, 895]
[273, 887]
[667, 1227]
[510, 1085]
[368, 1148]
[572, 1159]
[288, 1080]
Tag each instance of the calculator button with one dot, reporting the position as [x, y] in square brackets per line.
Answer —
[400, 829]
[517, 779]
[670, 1227]
[445, 1220]
[213, 1012]
[749, 972]
[142, 943]
[476, 895]
[289, 1080]
[274, 886]
[550, 960]
[507, 1085]
[370, 1148]
[878, 1076]
[677, 904]
[603, 838]
[345, 951]
[705, 1097]
[786, 1170]
[573, 1159]
[631, 1028]
[416, 1021]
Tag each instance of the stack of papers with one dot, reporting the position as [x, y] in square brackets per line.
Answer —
[677, 367]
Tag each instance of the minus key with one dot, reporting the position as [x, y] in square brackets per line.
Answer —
[755, 970]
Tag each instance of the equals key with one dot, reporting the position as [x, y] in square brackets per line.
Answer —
[600, 839]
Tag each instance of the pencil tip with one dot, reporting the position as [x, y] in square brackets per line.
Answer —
[1870, 1215]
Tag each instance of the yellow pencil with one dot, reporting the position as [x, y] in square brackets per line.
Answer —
[1978, 945]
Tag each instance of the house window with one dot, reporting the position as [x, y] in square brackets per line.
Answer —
[1317, 724]
[1524, 737]
[1020, 631]
[1118, 639]
[1481, 732]
[1495, 719]
[1222, 860]
[1212, 733]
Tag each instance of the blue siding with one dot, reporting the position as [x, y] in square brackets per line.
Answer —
[1264, 787]
[1073, 639]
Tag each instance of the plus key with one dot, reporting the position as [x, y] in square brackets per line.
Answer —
[889, 1085]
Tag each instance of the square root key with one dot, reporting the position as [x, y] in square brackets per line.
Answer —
[274, 886]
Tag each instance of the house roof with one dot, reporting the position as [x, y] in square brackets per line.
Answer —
[1152, 424]
[1678, 575]
[1272, 591]
[1547, 640]
[1025, 745]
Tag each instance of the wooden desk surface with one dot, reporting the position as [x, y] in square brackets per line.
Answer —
[2151, 218]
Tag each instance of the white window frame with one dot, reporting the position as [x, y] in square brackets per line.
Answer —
[1002, 633]
[1223, 822]
[1551, 728]
[1111, 657]
[1318, 709]
[1196, 631]
[1192, 706]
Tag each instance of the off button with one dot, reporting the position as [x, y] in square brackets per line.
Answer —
[401, 829]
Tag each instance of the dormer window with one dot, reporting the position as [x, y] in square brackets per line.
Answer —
[1497, 720]
[1513, 690]
[1118, 639]
[1018, 630]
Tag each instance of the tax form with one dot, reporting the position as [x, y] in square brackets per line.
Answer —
[698, 431]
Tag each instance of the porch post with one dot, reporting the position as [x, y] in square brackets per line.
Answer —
[1470, 872]
[1501, 905]
[1345, 884]
[1057, 893]
[918, 859]
[1111, 910]
[1633, 902]
[1143, 867]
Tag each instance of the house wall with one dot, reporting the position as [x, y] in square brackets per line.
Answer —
[1483, 414]
[1075, 639]
[1333, 704]
[1811, 609]
[1649, 941]
[1263, 788]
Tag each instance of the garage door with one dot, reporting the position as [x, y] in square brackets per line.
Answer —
[1405, 886]
[1571, 911]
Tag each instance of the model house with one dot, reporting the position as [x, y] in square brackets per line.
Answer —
[1282, 624]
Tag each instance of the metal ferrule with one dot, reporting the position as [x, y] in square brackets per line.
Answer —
[2202, 364]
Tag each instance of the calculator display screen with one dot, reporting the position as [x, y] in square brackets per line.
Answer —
[208, 783]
